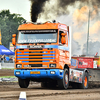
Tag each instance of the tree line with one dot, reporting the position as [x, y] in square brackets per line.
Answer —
[8, 25]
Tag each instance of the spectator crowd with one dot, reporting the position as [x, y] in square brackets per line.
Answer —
[6, 59]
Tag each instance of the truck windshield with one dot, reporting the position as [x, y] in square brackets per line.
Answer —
[37, 36]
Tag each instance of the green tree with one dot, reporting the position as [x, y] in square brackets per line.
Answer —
[9, 24]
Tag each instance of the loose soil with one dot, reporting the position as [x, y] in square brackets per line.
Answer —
[6, 72]
[11, 91]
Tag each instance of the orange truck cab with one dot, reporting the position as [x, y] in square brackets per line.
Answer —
[42, 54]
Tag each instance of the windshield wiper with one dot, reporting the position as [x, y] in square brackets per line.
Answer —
[24, 43]
[35, 43]
[41, 42]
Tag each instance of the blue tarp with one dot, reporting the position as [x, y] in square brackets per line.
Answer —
[4, 50]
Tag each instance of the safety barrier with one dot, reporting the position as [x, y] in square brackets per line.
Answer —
[6, 65]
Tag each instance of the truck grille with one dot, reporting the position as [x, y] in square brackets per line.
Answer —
[35, 57]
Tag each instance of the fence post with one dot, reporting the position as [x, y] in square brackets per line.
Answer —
[0, 65]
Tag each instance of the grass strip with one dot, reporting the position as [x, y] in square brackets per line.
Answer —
[7, 76]
[8, 68]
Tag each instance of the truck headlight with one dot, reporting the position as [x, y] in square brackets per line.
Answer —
[52, 72]
[52, 65]
[17, 73]
[19, 66]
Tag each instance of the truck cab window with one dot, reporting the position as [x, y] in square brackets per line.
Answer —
[60, 36]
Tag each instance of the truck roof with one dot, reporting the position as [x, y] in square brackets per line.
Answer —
[46, 25]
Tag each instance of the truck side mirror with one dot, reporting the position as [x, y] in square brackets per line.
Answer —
[14, 39]
[63, 39]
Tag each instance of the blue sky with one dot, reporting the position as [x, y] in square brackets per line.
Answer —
[17, 6]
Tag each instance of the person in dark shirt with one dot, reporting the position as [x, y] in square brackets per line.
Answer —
[3, 58]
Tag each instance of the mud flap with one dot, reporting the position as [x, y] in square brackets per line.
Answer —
[94, 75]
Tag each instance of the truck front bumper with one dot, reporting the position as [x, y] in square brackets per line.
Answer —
[39, 73]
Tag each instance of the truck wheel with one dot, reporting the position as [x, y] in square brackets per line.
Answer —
[64, 82]
[23, 83]
[48, 84]
[52, 84]
[84, 84]
[43, 84]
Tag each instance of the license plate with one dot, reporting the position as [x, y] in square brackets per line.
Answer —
[35, 72]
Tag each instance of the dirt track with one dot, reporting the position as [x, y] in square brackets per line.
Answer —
[11, 91]
[6, 72]
[35, 92]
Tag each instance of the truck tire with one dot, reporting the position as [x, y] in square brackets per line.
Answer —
[43, 84]
[23, 83]
[52, 84]
[48, 84]
[84, 84]
[64, 82]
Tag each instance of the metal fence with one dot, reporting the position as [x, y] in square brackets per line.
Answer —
[6, 65]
